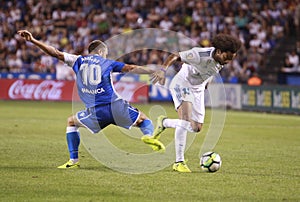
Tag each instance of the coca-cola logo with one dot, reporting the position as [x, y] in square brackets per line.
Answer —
[44, 90]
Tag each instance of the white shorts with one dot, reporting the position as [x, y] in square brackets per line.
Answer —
[183, 91]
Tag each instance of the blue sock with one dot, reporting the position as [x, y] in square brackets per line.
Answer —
[73, 140]
[146, 127]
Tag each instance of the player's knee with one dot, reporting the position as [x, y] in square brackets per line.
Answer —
[196, 126]
[196, 129]
[70, 121]
[141, 118]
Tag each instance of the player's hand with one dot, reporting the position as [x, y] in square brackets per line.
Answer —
[25, 35]
[159, 76]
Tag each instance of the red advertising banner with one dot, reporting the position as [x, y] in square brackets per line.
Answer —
[53, 90]
[135, 92]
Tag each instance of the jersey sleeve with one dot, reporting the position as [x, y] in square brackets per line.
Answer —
[190, 56]
[70, 59]
[117, 66]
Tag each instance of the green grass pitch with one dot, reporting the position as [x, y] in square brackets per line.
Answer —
[260, 154]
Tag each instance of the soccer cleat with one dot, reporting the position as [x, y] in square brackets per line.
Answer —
[181, 167]
[159, 127]
[70, 164]
[155, 144]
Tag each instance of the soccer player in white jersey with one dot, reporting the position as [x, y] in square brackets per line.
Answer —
[95, 88]
[187, 89]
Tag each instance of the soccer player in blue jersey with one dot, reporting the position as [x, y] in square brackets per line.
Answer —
[95, 88]
[187, 89]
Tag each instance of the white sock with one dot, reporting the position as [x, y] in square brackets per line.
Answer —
[72, 129]
[170, 123]
[74, 160]
[180, 141]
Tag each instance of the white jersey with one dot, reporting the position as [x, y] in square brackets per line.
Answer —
[189, 83]
[199, 65]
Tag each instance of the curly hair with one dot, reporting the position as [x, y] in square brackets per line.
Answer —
[226, 43]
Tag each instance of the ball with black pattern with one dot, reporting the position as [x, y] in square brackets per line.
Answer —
[210, 162]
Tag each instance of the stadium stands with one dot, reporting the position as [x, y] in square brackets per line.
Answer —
[70, 25]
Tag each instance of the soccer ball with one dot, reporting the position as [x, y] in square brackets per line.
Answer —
[210, 161]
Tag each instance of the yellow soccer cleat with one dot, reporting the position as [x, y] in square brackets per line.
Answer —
[155, 144]
[159, 127]
[70, 164]
[181, 167]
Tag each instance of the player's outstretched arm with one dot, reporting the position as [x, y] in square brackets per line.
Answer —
[136, 69]
[160, 75]
[170, 60]
[50, 50]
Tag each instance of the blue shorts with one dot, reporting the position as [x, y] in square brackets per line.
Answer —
[119, 113]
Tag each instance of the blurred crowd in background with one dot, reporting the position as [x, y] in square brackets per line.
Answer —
[70, 25]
